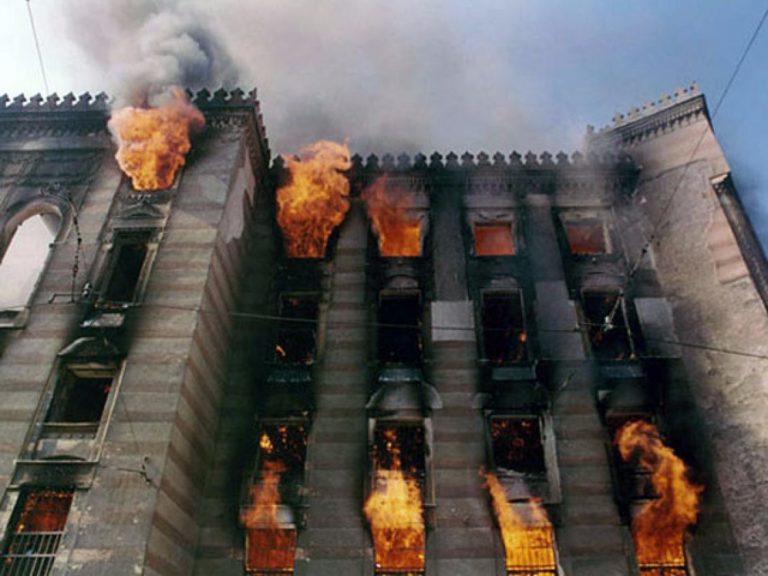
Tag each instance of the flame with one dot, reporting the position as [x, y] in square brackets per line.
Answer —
[659, 528]
[529, 541]
[152, 142]
[265, 443]
[395, 512]
[316, 200]
[494, 239]
[399, 234]
[269, 545]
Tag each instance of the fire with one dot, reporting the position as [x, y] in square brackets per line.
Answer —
[395, 512]
[269, 546]
[316, 200]
[399, 234]
[153, 142]
[659, 528]
[529, 541]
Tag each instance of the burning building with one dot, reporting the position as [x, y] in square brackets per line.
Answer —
[224, 363]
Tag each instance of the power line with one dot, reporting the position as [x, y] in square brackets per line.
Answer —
[665, 212]
[37, 47]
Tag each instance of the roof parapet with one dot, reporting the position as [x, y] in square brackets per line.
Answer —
[680, 94]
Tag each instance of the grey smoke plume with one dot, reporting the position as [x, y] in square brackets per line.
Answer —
[146, 46]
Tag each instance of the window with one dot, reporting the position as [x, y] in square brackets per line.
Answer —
[494, 239]
[586, 233]
[606, 326]
[524, 474]
[78, 401]
[296, 339]
[399, 318]
[121, 284]
[504, 334]
[35, 532]
[23, 261]
[273, 494]
[658, 498]
[394, 507]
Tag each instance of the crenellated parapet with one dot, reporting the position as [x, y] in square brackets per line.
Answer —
[654, 118]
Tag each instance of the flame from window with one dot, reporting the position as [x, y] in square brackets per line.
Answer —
[659, 528]
[529, 540]
[153, 142]
[394, 510]
[494, 239]
[270, 546]
[399, 233]
[316, 199]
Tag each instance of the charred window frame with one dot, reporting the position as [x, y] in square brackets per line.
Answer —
[35, 531]
[400, 340]
[505, 337]
[586, 233]
[495, 238]
[278, 474]
[127, 267]
[521, 445]
[297, 333]
[609, 328]
[79, 400]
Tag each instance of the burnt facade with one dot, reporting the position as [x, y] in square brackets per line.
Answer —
[181, 397]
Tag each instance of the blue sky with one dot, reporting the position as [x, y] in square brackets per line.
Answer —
[446, 75]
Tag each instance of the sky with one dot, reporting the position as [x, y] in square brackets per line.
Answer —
[423, 76]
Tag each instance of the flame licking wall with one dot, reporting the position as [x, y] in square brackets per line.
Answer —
[399, 232]
[394, 510]
[529, 541]
[315, 200]
[659, 528]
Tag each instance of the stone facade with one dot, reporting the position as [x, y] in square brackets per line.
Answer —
[160, 479]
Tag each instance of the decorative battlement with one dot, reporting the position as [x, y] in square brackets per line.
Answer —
[653, 118]
[515, 161]
[54, 103]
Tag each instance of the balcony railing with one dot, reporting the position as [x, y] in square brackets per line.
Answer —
[30, 554]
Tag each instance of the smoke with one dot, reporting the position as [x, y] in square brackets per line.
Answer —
[144, 47]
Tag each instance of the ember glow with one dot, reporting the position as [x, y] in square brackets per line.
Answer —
[529, 541]
[399, 233]
[153, 142]
[316, 199]
[660, 526]
[395, 512]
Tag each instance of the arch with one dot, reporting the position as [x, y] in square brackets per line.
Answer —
[27, 230]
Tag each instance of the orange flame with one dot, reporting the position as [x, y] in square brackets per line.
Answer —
[316, 200]
[152, 142]
[395, 512]
[269, 546]
[529, 541]
[399, 234]
[659, 527]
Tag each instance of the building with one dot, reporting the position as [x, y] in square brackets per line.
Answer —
[168, 366]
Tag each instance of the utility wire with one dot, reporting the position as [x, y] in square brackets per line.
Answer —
[37, 47]
[665, 212]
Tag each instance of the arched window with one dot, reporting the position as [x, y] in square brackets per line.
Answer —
[26, 235]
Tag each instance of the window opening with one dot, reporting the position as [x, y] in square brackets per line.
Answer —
[276, 486]
[586, 237]
[494, 239]
[606, 326]
[517, 444]
[504, 334]
[664, 505]
[296, 339]
[394, 507]
[78, 401]
[126, 268]
[23, 262]
[399, 318]
[35, 532]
